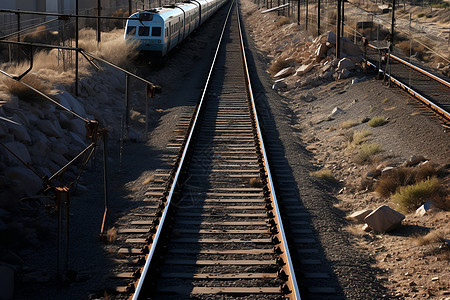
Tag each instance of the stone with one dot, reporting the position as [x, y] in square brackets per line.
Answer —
[349, 48]
[345, 64]
[303, 69]
[68, 101]
[77, 125]
[6, 282]
[358, 216]
[384, 219]
[335, 112]
[373, 174]
[308, 97]
[57, 158]
[59, 147]
[20, 133]
[344, 74]
[387, 170]
[415, 160]
[331, 51]
[285, 72]
[49, 128]
[23, 181]
[321, 52]
[18, 149]
[279, 84]
[331, 37]
[366, 228]
[426, 209]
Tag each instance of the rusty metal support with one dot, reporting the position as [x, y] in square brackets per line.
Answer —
[105, 182]
[127, 105]
[76, 46]
[62, 206]
[99, 8]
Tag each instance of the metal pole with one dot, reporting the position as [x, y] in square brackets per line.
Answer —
[306, 17]
[105, 183]
[298, 13]
[98, 20]
[318, 17]
[393, 21]
[338, 30]
[76, 46]
[127, 100]
[18, 35]
[129, 6]
[342, 18]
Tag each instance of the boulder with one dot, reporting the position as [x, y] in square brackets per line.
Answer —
[349, 48]
[373, 173]
[414, 160]
[59, 147]
[384, 219]
[68, 101]
[50, 128]
[285, 72]
[331, 37]
[320, 52]
[6, 282]
[18, 149]
[345, 64]
[20, 132]
[336, 112]
[303, 69]
[279, 84]
[23, 181]
[77, 125]
[426, 209]
[358, 216]
[344, 74]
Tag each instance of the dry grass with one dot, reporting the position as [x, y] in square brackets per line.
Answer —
[413, 48]
[279, 65]
[324, 174]
[148, 180]
[409, 198]
[25, 93]
[348, 124]
[399, 177]
[435, 236]
[111, 235]
[283, 21]
[366, 153]
[377, 121]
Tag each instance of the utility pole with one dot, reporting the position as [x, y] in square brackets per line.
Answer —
[393, 22]
[76, 46]
[99, 8]
[306, 17]
[318, 17]
[298, 12]
[338, 30]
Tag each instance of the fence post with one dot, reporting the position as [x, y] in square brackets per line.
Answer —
[338, 30]
[127, 105]
[393, 21]
[298, 13]
[76, 46]
[99, 8]
[318, 17]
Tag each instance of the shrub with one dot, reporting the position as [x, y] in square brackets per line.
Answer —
[348, 124]
[25, 93]
[283, 21]
[377, 121]
[366, 153]
[413, 48]
[434, 236]
[324, 174]
[421, 15]
[359, 136]
[410, 197]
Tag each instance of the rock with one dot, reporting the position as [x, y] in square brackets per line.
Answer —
[59, 147]
[18, 149]
[373, 174]
[285, 72]
[279, 84]
[344, 74]
[57, 158]
[335, 112]
[345, 64]
[384, 219]
[331, 37]
[36, 277]
[6, 282]
[349, 48]
[358, 216]
[426, 209]
[366, 228]
[68, 101]
[320, 52]
[23, 181]
[331, 51]
[20, 132]
[50, 128]
[387, 170]
[414, 160]
[308, 97]
[77, 125]
[303, 69]
[327, 75]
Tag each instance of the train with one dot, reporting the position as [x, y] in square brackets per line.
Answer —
[159, 30]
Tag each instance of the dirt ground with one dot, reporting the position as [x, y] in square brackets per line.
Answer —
[403, 268]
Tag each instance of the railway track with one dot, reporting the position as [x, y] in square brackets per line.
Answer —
[220, 232]
[432, 90]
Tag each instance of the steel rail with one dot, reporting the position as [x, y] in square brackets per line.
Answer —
[439, 110]
[292, 281]
[432, 76]
[180, 165]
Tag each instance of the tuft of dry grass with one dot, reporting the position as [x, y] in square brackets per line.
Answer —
[25, 93]
[366, 153]
[377, 121]
[391, 182]
[348, 124]
[111, 235]
[435, 236]
[148, 180]
[410, 197]
[413, 48]
[283, 21]
[324, 174]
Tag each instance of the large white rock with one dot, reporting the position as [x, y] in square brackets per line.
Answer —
[384, 219]
[68, 101]
[345, 64]
[23, 181]
[320, 52]
[358, 216]
[285, 72]
[279, 84]
[303, 69]
[426, 209]
[19, 149]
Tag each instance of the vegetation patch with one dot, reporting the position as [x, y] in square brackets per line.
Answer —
[283, 21]
[377, 121]
[23, 92]
[359, 137]
[348, 124]
[324, 174]
[410, 197]
[435, 236]
[366, 153]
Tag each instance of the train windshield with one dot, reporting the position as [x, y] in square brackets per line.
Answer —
[131, 30]
[144, 31]
[156, 31]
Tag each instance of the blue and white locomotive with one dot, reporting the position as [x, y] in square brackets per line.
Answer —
[160, 29]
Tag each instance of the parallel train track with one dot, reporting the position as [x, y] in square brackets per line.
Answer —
[220, 230]
[430, 89]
